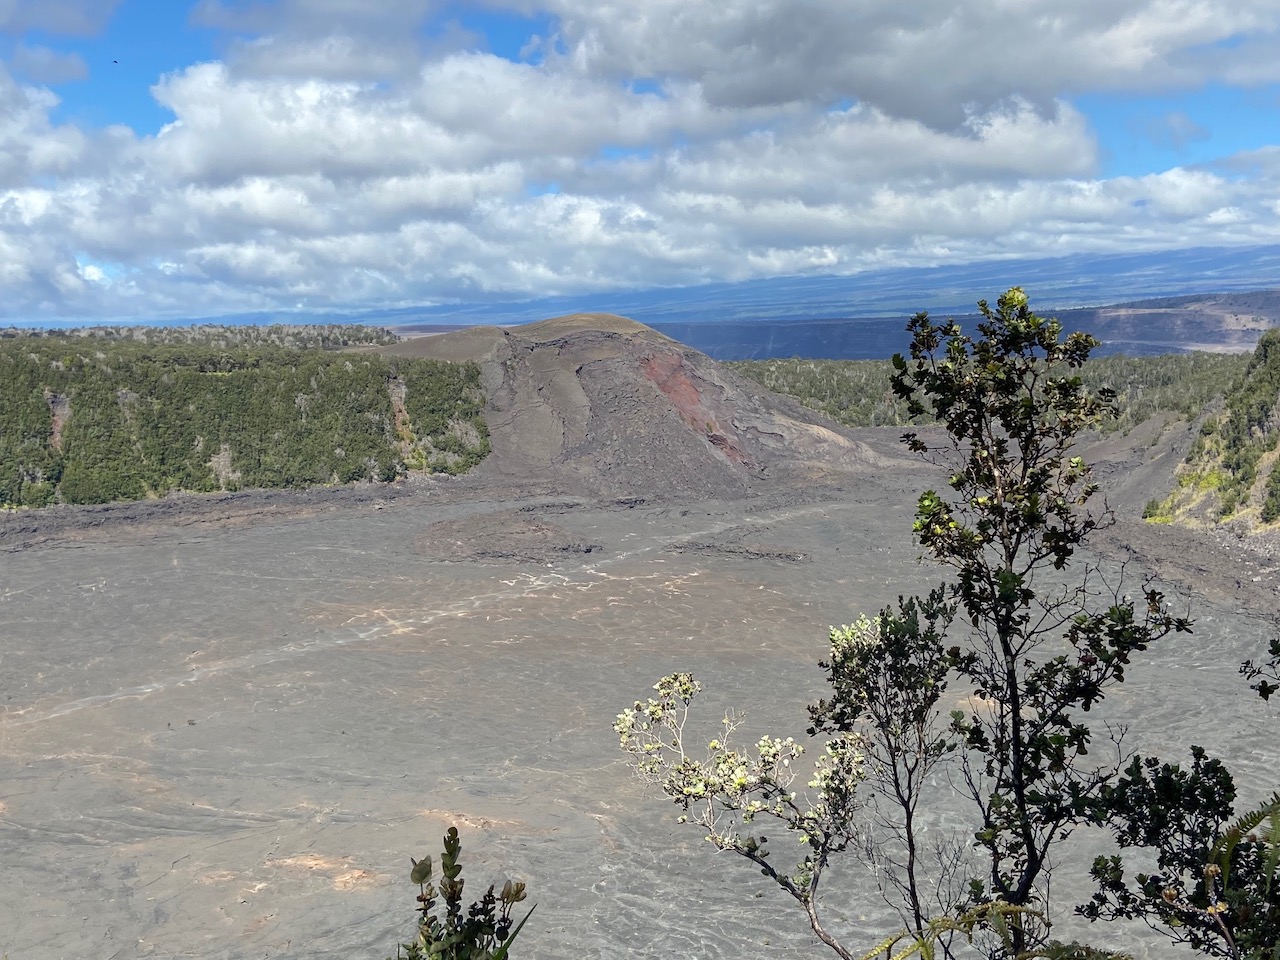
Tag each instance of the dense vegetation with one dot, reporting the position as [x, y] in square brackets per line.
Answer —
[1232, 462]
[857, 392]
[120, 414]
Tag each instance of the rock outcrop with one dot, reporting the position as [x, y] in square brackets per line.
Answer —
[610, 407]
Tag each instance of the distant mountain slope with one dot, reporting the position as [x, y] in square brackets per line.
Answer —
[1265, 302]
[607, 406]
[1216, 323]
[891, 292]
[1224, 322]
[1231, 471]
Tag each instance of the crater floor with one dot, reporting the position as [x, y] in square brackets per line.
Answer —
[225, 741]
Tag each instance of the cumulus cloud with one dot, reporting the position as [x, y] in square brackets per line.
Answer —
[339, 156]
[330, 39]
[930, 60]
[30, 145]
[43, 65]
[68, 17]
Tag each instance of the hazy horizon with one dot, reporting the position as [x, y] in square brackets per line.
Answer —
[1053, 283]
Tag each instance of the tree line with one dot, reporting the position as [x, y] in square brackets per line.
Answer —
[310, 336]
[857, 393]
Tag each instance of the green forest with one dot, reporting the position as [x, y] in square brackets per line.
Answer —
[105, 414]
[1232, 462]
[856, 393]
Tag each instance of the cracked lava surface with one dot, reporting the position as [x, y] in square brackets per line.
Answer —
[227, 743]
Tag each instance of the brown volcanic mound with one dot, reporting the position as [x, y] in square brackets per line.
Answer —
[600, 404]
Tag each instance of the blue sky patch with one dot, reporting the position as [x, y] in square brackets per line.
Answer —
[144, 40]
[1141, 135]
[506, 35]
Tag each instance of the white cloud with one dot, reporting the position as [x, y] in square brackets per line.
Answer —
[68, 17]
[43, 65]
[30, 145]
[930, 60]
[329, 39]
[336, 158]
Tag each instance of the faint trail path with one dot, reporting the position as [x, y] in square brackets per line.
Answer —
[583, 578]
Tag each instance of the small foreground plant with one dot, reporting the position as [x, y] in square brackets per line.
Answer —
[483, 932]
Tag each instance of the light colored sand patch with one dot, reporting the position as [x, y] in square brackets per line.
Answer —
[353, 878]
[824, 434]
[219, 876]
[258, 924]
[463, 821]
[310, 862]
[974, 705]
[338, 870]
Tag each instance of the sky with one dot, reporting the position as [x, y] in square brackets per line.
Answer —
[167, 158]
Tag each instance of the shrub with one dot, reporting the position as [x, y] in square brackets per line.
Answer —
[483, 932]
